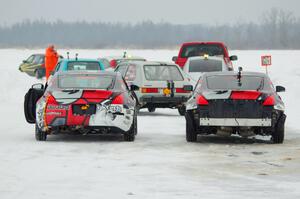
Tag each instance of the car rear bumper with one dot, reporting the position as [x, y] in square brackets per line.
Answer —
[236, 122]
[104, 117]
[163, 101]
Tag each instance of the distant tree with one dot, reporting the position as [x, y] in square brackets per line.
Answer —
[278, 29]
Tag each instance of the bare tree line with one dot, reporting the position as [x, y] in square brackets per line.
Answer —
[277, 29]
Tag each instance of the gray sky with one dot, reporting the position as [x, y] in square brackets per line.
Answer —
[174, 11]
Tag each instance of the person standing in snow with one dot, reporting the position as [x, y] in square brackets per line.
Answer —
[51, 59]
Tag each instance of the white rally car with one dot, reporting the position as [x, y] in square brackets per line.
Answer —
[162, 85]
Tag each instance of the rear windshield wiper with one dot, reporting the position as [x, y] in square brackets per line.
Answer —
[71, 91]
[260, 85]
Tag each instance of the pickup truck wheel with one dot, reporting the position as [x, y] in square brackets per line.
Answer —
[191, 134]
[181, 110]
[151, 109]
[39, 134]
[278, 133]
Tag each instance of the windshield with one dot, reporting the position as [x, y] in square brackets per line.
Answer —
[201, 50]
[203, 65]
[230, 82]
[162, 73]
[81, 65]
[85, 81]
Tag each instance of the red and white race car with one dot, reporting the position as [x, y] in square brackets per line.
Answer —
[84, 102]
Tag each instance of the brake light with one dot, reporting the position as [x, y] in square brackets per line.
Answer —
[245, 95]
[118, 100]
[51, 100]
[201, 100]
[269, 101]
[113, 63]
[181, 90]
[149, 90]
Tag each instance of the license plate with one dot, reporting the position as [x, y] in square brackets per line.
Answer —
[84, 109]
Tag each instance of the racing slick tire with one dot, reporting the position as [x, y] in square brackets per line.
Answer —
[39, 134]
[181, 110]
[191, 134]
[151, 109]
[129, 136]
[278, 133]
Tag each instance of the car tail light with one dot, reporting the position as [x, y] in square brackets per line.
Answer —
[149, 90]
[118, 100]
[113, 63]
[51, 99]
[202, 101]
[181, 90]
[245, 95]
[269, 101]
[181, 61]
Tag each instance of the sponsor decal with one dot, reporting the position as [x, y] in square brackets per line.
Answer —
[115, 109]
[55, 107]
[54, 113]
[85, 107]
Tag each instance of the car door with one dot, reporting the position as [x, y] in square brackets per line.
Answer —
[31, 97]
[130, 74]
[130, 95]
[122, 68]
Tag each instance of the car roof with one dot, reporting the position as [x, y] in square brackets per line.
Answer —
[38, 54]
[79, 60]
[203, 42]
[88, 73]
[121, 57]
[247, 73]
[153, 63]
[220, 58]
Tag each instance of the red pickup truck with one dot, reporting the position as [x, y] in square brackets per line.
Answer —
[192, 49]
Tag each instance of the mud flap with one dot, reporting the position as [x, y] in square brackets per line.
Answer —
[31, 97]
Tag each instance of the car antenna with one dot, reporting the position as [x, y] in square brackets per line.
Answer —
[68, 55]
[239, 76]
[76, 56]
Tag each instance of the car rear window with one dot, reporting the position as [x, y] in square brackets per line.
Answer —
[230, 82]
[85, 81]
[202, 49]
[203, 65]
[162, 73]
[81, 65]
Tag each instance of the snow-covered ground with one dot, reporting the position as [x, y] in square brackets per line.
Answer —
[160, 163]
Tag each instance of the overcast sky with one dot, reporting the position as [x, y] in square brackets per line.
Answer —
[174, 11]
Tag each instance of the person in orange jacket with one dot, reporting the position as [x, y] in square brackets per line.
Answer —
[51, 59]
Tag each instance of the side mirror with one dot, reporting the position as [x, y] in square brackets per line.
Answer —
[233, 58]
[134, 87]
[280, 89]
[188, 88]
[38, 86]
[174, 59]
